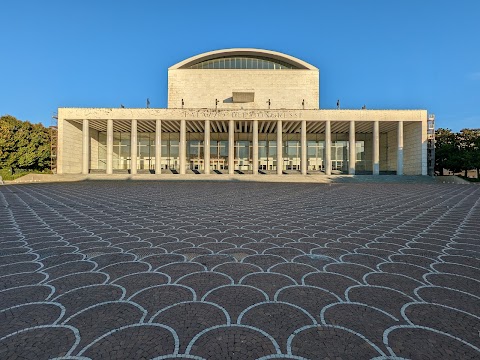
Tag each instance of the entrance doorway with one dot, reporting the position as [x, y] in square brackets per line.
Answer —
[243, 160]
[195, 155]
[218, 155]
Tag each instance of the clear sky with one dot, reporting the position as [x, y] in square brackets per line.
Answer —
[386, 54]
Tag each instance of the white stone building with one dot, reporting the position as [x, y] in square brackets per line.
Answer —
[227, 112]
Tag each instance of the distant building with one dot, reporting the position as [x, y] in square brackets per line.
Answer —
[228, 110]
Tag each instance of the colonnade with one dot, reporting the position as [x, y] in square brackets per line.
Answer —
[231, 149]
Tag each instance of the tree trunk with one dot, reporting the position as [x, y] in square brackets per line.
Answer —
[466, 175]
[478, 173]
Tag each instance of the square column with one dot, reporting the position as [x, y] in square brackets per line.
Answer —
[182, 146]
[400, 148]
[231, 147]
[85, 147]
[133, 147]
[376, 148]
[279, 147]
[158, 146]
[109, 146]
[206, 148]
[352, 156]
[303, 162]
[255, 147]
[328, 147]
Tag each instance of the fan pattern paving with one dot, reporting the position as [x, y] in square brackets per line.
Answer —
[200, 270]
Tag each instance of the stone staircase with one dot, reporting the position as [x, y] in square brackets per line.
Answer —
[169, 175]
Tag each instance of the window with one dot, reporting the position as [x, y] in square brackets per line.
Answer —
[244, 62]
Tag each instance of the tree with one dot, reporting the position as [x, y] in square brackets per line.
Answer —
[445, 149]
[23, 145]
[457, 151]
[466, 144]
[476, 152]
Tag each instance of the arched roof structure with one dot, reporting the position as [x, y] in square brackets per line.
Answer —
[290, 62]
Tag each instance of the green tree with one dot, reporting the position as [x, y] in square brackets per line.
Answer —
[464, 141]
[446, 150]
[475, 151]
[23, 145]
[457, 151]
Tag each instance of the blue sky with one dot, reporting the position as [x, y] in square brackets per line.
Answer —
[405, 54]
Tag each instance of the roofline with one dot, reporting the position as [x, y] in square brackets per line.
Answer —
[275, 55]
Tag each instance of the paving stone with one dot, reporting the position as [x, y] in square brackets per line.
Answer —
[144, 341]
[239, 270]
[331, 343]
[409, 342]
[38, 343]
[29, 315]
[190, 318]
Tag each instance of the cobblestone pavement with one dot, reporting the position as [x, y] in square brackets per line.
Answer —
[199, 270]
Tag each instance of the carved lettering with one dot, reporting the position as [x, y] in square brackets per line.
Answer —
[241, 114]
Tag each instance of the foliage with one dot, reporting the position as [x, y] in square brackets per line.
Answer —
[457, 151]
[23, 145]
[6, 174]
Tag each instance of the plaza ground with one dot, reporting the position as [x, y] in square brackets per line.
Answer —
[239, 270]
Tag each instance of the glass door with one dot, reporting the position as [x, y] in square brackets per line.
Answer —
[292, 155]
[195, 155]
[315, 155]
[218, 155]
[242, 156]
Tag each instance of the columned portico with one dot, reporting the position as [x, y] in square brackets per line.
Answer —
[158, 146]
[206, 147]
[279, 147]
[182, 151]
[251, 146]
[400, 148]
[303, 140]
[133, 148]
[328, 148]
[352, 156]
[109, 146]
[85, 147]
[376, 148]
[255, 147]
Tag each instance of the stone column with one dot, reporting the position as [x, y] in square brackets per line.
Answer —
[85, 148]
[206, 148]
[376, 148]
[109, 146]
[182, 151]
[158, 146]
[328, 148]
[303, 160]
[279, 147]
[255, 147]
[400, 148]
[231, 147]
[352, 156]
[133, 147]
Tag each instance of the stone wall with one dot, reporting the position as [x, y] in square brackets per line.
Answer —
[286, 89]
[412, 149]
[392, 150]
[368, 151]
[69, 147]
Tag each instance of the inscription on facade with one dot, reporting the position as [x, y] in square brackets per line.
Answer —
[241, 114]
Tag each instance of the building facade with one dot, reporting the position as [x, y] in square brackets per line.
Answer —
[242, 111]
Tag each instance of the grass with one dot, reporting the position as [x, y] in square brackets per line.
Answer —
[7, 175]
